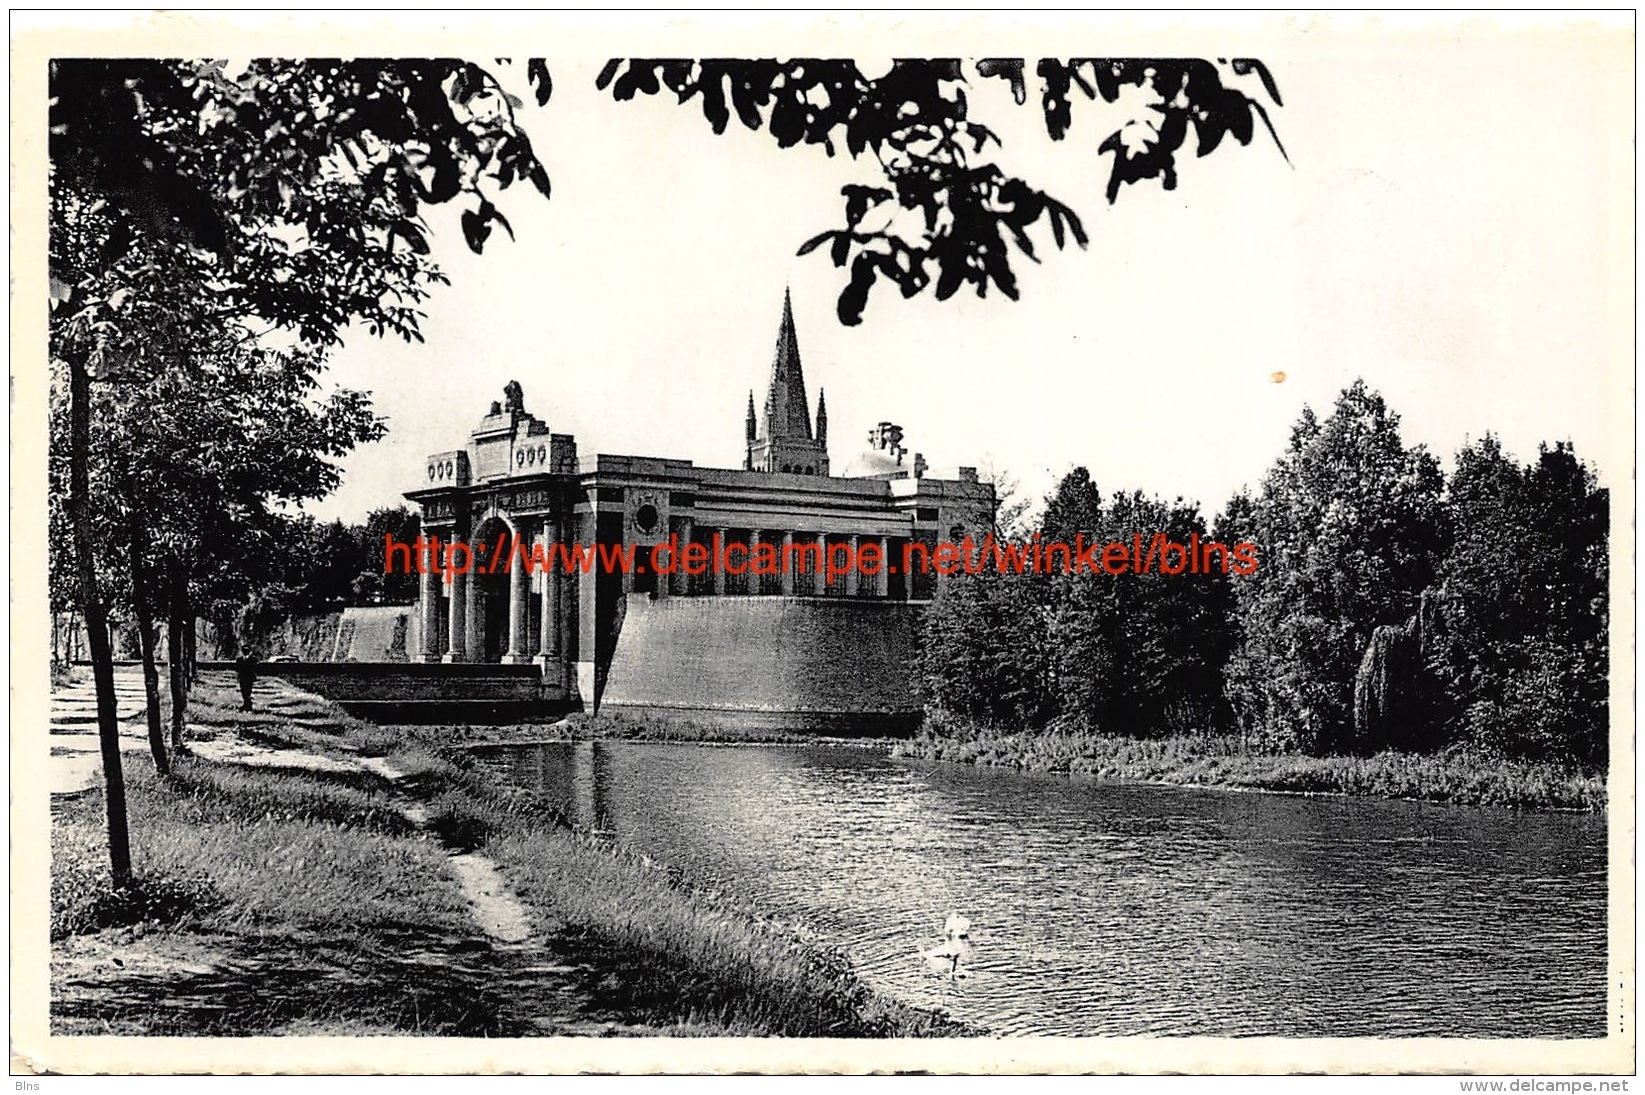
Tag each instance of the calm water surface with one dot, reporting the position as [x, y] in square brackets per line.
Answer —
[1112, 909]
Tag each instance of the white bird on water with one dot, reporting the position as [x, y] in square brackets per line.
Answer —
[954, 951]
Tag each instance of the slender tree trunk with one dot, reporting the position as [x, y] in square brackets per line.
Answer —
[191, 647]
[143, 609]
[177, 604]
[97, 630]
[151, 693]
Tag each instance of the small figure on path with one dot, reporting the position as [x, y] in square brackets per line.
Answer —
[245, 670]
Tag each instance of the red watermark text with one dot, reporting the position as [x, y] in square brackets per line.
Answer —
[1139, 555]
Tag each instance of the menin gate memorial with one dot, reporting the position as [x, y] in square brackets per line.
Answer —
[795, 648]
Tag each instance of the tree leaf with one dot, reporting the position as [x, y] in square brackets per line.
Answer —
[475, 230]
[854, 297]
[814, 242]
[1006, 68]
[539, 178]
[542, 83]
[1247, 65]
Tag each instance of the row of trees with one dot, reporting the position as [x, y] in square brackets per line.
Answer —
[184, 470]
[1391, 608]
[213, 232]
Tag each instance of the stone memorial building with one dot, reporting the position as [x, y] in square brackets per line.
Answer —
[799, 646]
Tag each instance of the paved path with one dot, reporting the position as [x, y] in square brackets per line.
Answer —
[496, 910]
[76, 763]
[76, 758]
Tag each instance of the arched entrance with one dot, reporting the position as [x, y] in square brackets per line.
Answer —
[490, 591]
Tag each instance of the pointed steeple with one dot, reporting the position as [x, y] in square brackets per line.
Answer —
[787, 416]
[783, 442]
[822, 418]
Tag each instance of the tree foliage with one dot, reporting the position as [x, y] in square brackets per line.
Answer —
[1351, 530]
[1389, 610]
[1524, 608]
[948, 216]
[986, 653]
[1131, 654]
[193, 470]
[1138, 654]
[293, 189]
[189, 199]
[329, 565]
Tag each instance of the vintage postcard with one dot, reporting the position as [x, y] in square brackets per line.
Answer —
[806, 543]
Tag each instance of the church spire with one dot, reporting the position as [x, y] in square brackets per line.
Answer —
[787, 415]
[783, 442]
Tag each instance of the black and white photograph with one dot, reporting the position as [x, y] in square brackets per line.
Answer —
[823, 543]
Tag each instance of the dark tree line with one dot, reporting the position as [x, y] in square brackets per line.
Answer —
[293, 566]
[321, 567]
[329, 565]
[1392, 609]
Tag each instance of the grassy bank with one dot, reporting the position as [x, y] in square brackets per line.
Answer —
[266, 902]
[1455, 777]
[298, 896]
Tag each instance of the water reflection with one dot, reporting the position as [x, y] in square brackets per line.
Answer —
[1104, 909]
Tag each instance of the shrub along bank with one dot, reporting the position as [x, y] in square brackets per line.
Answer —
[1456, 776]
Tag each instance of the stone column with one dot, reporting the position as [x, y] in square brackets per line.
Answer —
[588, 654]
[476, 606]
[853, 580]
[662, 584]
[819, 580]
[680, 579]
[549, 646]
[428, 600]
[783, 561]
[562, 616]
[756, 584]
[717, 570]
[458, 623]
[519, 603]
[882, 579]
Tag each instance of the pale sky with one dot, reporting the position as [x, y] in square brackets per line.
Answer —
[1455, 225]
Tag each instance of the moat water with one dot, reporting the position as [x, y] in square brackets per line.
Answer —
[1114, 909]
